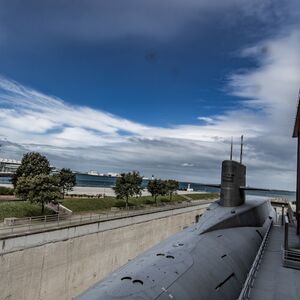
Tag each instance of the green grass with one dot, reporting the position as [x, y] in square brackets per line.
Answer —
[90, 204]
[20, 209]
[150, 200]
[81, 205]
[203, 196]
[97, 204]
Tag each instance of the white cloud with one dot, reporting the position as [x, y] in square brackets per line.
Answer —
[187, 165]
[273, 86]
[207, 120]
[86, 138]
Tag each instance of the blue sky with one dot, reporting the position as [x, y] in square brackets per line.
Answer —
[158, 86]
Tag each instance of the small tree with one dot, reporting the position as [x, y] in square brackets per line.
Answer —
[172, 186]
[66, 180]
[23, 187]
[156, 187]
[40, 188]
[128, 185]
[32, 164]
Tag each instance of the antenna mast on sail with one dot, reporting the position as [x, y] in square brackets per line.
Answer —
[242, 144]
[231, 146]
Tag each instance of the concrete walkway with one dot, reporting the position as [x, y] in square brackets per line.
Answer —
[273, 281]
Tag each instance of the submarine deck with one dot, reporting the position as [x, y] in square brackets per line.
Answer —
[274, 281]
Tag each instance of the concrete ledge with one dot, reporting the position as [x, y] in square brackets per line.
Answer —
[62, 263]
[26, 240]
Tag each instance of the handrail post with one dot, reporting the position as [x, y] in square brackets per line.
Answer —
[286, 234]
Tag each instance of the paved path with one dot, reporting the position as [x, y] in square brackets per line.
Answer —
[273, 281]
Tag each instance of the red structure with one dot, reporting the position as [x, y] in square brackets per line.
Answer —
[296, 134]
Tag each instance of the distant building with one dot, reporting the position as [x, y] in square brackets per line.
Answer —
[92, 172]
[112, 174]
[8, 166]
[189, 189]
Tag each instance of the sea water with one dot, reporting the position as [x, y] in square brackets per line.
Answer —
[86, 180]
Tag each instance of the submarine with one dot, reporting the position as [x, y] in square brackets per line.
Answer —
[209, 260]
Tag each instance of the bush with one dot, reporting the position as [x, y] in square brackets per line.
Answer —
[149, 201]
[122, 204]
[6, 190]
[165, 200]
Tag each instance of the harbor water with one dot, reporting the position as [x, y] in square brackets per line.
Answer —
[86, 180]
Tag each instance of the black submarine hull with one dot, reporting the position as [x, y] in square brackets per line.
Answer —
[209, 260]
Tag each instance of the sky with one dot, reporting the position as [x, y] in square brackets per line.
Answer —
[154, 86]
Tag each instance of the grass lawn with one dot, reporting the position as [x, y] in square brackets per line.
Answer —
[89, 204]
[203, 196]
[94, 204]
[20, 209]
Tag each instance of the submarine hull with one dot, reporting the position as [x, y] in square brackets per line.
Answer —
[209, 260]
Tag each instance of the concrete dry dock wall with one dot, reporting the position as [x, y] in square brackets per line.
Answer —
[60, 264]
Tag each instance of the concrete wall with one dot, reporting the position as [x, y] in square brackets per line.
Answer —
[62, 263]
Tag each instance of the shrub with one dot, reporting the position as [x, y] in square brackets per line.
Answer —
[149, 201]
[6, 190]
[166, 200]
[122, 204]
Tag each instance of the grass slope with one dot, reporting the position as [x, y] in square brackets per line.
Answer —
[94, 204]
[20, 209]
[203, 196]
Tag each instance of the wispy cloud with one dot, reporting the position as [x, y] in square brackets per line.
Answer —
[84, 138]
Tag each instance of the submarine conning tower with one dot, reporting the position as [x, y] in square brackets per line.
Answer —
[232, 179]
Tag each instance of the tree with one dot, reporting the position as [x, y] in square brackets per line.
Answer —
[40, 188]
[128, 185]
[172, 186]
[32, 164]
[157, 187]
[23, 187]
[66, 180]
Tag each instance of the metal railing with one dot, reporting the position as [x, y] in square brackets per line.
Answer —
[41, 223]
[248, 285]
[291, 258]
